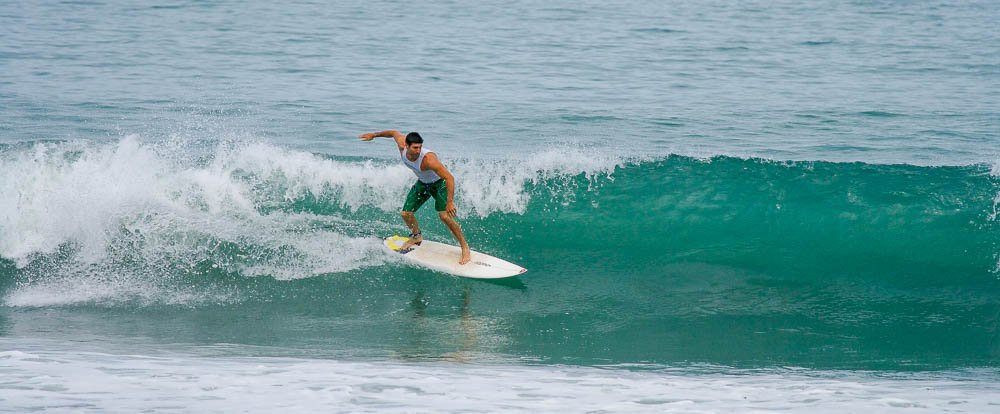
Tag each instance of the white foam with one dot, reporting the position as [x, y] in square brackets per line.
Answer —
[53, 380]
[71, 192]
[349, 185]
[94, 200]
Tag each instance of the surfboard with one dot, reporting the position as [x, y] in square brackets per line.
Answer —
[444, 258]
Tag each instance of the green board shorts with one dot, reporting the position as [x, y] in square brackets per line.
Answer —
[421, 192]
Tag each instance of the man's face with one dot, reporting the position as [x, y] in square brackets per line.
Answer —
[413, 150]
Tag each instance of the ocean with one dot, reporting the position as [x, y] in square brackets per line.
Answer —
[722, 206]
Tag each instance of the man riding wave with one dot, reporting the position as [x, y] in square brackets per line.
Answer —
[433, 180]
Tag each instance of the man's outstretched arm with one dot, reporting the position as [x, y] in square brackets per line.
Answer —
[391, 133]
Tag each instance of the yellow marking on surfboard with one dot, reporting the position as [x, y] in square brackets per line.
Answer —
[396, 242]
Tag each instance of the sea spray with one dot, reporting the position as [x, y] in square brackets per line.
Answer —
[152, 212]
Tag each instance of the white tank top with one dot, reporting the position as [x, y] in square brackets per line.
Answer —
[425, 177]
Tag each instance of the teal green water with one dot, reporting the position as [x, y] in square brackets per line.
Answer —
[726, 261]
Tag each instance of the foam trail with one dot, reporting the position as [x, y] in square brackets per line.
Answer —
[264, 384]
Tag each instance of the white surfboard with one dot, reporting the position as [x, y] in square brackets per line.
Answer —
[444, 258]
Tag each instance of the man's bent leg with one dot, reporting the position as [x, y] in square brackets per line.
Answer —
[456, 230]
[411, 221]
[414, 199]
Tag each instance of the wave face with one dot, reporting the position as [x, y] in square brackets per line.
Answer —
[720, 260]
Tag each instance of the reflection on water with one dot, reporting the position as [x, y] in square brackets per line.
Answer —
[449, 330]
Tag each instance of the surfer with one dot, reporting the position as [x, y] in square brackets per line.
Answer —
[433, 180]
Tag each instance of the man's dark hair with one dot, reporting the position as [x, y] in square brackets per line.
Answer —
[414, 138]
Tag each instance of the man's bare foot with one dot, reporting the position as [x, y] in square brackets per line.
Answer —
[414, 239]
[466, 256]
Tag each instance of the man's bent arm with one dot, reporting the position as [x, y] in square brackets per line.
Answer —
[434, 164]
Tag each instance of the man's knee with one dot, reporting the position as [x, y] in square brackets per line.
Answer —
[406, 214]
[444, 216]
